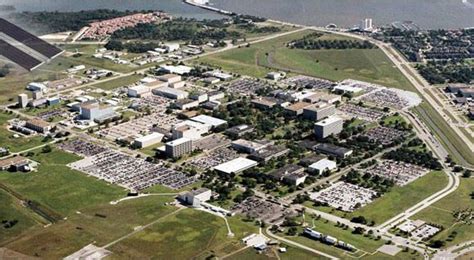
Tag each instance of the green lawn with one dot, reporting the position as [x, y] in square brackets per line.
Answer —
[58, 187]
[186, 235]
[11, 210]
[120, 82]
[369, 65]
[441, 213]
[402, 198]
[15, 144]
[98, 223]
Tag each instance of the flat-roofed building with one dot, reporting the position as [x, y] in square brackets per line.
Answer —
[179, 147]
[264, 102]
[215, 95]
[156, 84]
[334, 150]
[239, 130]
[170, 78]
[247, 146]
[329, 126]
[322, 166]
[190, 129]
[330, 98]
[295, 179]
[94, 111]
[297, 108]
[18, 162]
[237, 165]
[138, 91]
[269, 152]
[185, 104]
[209, 120]
[280, 173]
[38, 125]
[170, 93]
[194, 198]
[148, 140]
[318, 111]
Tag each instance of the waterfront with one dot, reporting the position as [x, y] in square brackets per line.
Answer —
[346, 13]
[426, 13]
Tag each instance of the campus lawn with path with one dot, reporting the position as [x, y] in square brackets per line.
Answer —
[188, 234]
[441, 213]
[58, 187]
[401, 198]
[101, 224]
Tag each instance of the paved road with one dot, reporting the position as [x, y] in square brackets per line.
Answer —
[449, 253]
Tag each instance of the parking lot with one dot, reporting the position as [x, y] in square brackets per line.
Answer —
[344, 196]
[400, 172]
[394, 98]
[264, 210]
[384, 135]
[363, 113]
[118, 168]
[214, 158]
[246, 86]
[309, 82]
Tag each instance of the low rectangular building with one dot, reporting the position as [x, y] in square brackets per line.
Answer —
[209, 120]
[269, 152]
[318, 112]
[138, 91]
[334, 150]
[247, 146]
[170, 93]
[235, 166]
[38, 125]
[297, 108]
[148, 140]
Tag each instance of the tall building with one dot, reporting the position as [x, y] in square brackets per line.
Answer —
[94, 111]
[22, 100]
[318, 112]
[366, 24]
[179, 147]
[328, 126]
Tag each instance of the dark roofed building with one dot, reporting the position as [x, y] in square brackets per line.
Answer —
[334, 150]
[269, 152]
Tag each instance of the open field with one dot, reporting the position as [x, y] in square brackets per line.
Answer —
[441, 213]
[194, 234]
[258, 59]
[15, 144]
[402, 198]
[395, 201]
[291, 253]
[100, 223]
[115, 83]
[12, 210]
[59, 188]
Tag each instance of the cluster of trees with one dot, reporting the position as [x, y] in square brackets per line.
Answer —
[311, 44]
[4, 70]
[252, 28]
[422, 158]
[380, 184]
[9, 223]
[180, 29]
[439, 72]
[52, 22]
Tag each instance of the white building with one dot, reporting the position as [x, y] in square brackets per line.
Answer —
[196, 197]
[180, 69]
[171, 47]
[366, 25]
[322, 166]
[170, 78]
[275, 75]
[22, 100]
[179, 147]
[190, 129]
[36, 86]
[170, 93]
[95, 111]
[236, 166]
[209, 120]
[329, 126]
[138, 91]
[148, 140]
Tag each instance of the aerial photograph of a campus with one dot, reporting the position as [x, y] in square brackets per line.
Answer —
[237, 129]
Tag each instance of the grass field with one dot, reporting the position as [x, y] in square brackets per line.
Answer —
[10, 210]
[15, 144]
[290, 254]
[194, 235]
[99, 223]
[58, 187]
[401, 198]
[115, 83]
[258, 59]
[441, 213]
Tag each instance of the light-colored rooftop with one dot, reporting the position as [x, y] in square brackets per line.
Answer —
[209, 120]
[328, 121]
[236, 165]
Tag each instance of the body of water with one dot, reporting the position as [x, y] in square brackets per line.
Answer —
[346, 13]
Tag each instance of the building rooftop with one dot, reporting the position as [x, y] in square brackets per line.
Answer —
[149, 137]
[328, 121]
[236, 165]
[298, 106]
[178, 141]
[12, 160]
[215, 122]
